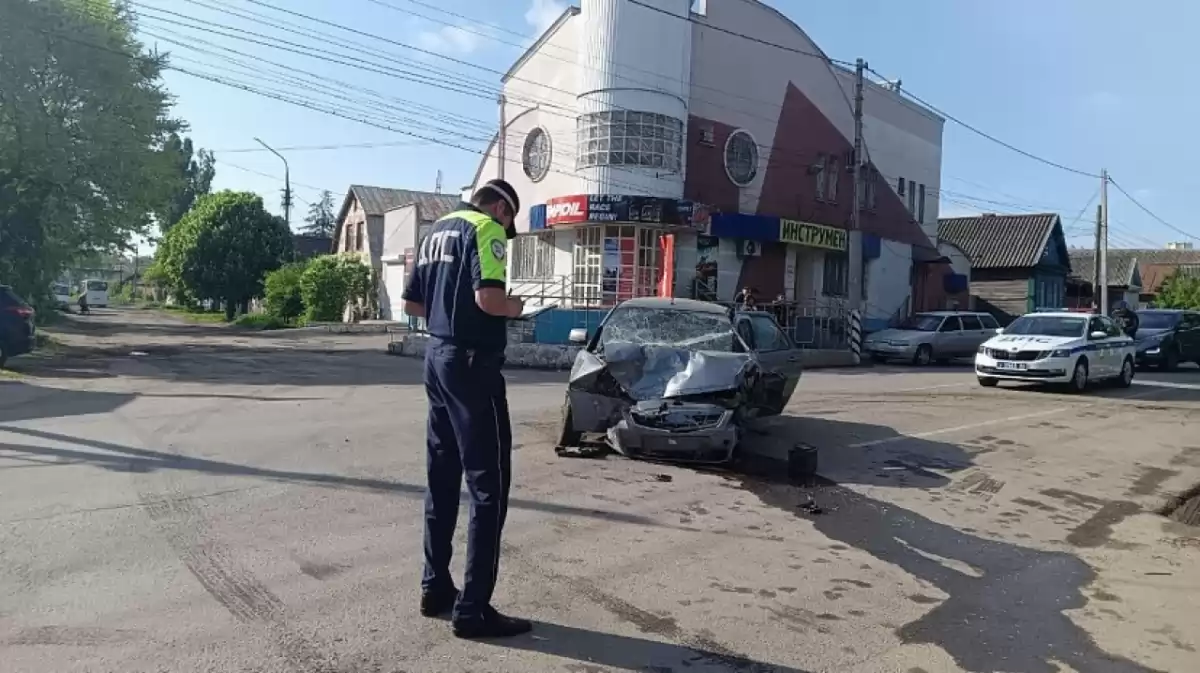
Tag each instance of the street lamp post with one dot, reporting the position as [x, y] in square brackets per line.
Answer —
[287, 183]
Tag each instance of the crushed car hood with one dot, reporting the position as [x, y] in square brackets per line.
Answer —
[655, 372]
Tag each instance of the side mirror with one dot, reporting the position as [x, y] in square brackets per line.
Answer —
[999, 330]
[577, 336]
[1098, 335]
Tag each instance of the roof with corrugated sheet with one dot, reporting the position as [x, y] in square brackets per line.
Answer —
[1000, 241]
[1122, 266]
[375, 201]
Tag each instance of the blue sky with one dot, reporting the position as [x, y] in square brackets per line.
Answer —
[1085, 83]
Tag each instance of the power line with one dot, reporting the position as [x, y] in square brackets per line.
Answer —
[1149, 212]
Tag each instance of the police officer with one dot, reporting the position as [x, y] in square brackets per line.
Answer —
[458, 285]
[1126, 317]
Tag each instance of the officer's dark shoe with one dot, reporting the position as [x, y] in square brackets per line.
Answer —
[491, 624]
[438, 603]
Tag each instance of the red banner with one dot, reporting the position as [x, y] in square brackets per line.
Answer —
[666, 267]
[567, 210]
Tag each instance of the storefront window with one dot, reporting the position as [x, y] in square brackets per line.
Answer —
[628, 138]
[614, 263]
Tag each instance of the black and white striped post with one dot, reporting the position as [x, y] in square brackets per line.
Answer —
[856, 335]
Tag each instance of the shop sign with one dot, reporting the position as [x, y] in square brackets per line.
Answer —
[609, 208]
[812, 235]
[566, 210]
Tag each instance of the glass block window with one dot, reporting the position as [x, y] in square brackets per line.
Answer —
[627, 138]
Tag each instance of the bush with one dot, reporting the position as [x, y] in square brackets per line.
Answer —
[261, 321]
[282, 298]
[330, 283]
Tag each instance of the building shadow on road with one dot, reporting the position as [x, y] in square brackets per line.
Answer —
[122, 458]
[606, 651]
[856, 453]
[20, 401]
[1004, 605]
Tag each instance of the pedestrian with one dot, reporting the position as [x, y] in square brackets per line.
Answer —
[458, 286]
[1126, 317]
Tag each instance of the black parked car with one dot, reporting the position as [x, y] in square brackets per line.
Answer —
[16, 325]
[1168, 337]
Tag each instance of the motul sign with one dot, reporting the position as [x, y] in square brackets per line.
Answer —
[567, 210]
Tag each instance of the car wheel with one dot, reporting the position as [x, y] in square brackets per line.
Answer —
[923, 356]
[1126, 378]
[567, 436]
[1170, 361]
[988, 382]
[1079, 378]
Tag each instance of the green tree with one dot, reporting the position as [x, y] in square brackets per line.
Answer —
[281, 292]
[83, 122]
[330, 283]
[321, 220]
[223, 248]
[192, 177]
[1180, 291]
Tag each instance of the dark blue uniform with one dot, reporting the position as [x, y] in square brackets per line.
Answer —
[468, 429]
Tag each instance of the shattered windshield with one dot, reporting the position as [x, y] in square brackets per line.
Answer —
[693, 330]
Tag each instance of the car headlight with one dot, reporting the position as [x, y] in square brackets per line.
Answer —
[1061, 353]
[983, 350]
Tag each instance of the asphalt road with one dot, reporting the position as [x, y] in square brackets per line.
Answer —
[187, 498]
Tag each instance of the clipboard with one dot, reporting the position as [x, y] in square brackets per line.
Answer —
[531, 314]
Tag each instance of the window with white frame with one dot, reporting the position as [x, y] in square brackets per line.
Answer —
[741, 158]
[533, 256]
[900, 186]
[836, 275]
[614, 263]
[921, 204]
[628, 138]
[822, 178]
[912, 200]
[867, 198]
[831, 186]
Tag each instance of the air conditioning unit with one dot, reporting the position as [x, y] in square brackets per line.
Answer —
[748, 248]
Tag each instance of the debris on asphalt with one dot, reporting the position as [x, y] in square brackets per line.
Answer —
[802, 464]
[810, 506]
[592, 451]
[665, 478]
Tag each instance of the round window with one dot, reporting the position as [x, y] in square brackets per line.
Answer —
[741, 158]
[536, 156]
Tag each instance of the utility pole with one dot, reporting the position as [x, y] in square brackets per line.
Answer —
[287, 184]
[854, 248]
[1096, 261]
[501, 139]
[1102, 260]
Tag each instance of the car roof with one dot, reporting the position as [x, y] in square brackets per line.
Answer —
[943, 314]
[1165, 310]
[1059, 314]
[674, 303]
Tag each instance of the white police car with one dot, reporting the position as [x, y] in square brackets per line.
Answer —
[1057, 347]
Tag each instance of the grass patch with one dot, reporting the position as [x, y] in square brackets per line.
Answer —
[262, 321]
[196, 315]
[9, 375]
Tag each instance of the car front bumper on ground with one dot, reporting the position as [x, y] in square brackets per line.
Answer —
[1048, 369]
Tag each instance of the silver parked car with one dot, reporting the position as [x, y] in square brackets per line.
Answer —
[934, 336]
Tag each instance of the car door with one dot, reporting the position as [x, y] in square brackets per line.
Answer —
[1112, 348]
[1189, 336]
[947, 341]
[973, 334]
[780, 360]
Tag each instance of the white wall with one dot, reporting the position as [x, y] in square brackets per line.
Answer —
[888, 285]
[959, 262]
[399, 231]
[541, 92]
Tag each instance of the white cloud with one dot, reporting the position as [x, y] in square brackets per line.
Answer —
[449, 40]
[543, 13]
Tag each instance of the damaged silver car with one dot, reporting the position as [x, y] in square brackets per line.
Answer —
[678, 379]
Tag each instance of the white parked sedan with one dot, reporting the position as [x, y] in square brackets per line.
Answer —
[1064, 348]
